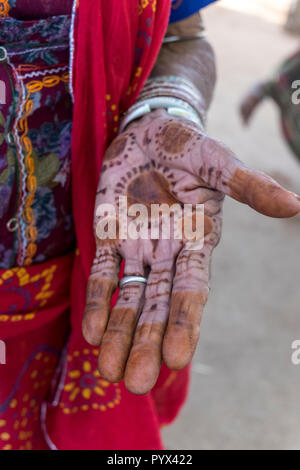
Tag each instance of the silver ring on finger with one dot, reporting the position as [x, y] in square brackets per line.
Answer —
[129, 279]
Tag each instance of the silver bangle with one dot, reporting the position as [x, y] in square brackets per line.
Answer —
[173, 106]
[158, 86]
[172, 80]
[171, 39]
[129, 279]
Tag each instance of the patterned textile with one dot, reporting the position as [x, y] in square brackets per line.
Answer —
[33, 296]
[26, 386]
[39, 51]
[43, 380]
[73, 407]
[34, 9]
[35, 141]
[34, 320]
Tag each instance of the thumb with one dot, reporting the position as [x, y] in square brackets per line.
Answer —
[221, 170]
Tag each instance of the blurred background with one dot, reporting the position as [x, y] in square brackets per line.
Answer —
[245, 392]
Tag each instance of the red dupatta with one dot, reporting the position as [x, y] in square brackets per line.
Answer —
[116, 45]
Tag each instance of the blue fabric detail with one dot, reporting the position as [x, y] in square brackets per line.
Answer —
[181, 9]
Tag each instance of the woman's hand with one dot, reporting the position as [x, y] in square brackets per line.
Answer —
[251, 100]
[164, 160]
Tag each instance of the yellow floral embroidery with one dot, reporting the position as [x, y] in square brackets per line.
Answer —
[142, 5]
[86, 389]
[26, 410]
[31, 231]
[24, 278]
[145, 3]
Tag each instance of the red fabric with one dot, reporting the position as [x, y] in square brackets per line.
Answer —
[83, 411]
[31, 360]
[116, 45]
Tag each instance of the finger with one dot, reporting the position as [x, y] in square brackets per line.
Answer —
[189, 296]
[221, 170]
[118, 336]
[145, 357]
[101, 285]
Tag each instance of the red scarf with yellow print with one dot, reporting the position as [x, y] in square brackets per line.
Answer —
[114, 45]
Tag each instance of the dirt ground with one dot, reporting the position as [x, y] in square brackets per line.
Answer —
[245, 391]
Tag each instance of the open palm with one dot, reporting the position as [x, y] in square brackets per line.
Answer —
[163, 160]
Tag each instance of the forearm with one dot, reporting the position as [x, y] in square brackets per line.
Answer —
[193, 60]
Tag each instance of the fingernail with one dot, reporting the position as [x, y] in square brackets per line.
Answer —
[296, 196]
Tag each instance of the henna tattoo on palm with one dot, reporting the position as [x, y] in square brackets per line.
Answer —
[163, 160]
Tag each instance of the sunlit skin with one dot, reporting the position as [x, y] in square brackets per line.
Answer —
[160, 159]
[163, 159]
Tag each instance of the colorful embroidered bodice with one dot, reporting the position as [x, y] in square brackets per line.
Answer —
[34, 9]
[35, 132]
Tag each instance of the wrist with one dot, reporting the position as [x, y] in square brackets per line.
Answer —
[189, 59]
[177, 96]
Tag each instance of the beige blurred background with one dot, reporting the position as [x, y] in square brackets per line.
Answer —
[245, 391]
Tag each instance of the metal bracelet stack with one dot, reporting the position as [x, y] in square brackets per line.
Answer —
[171, 39]
[177, 95]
